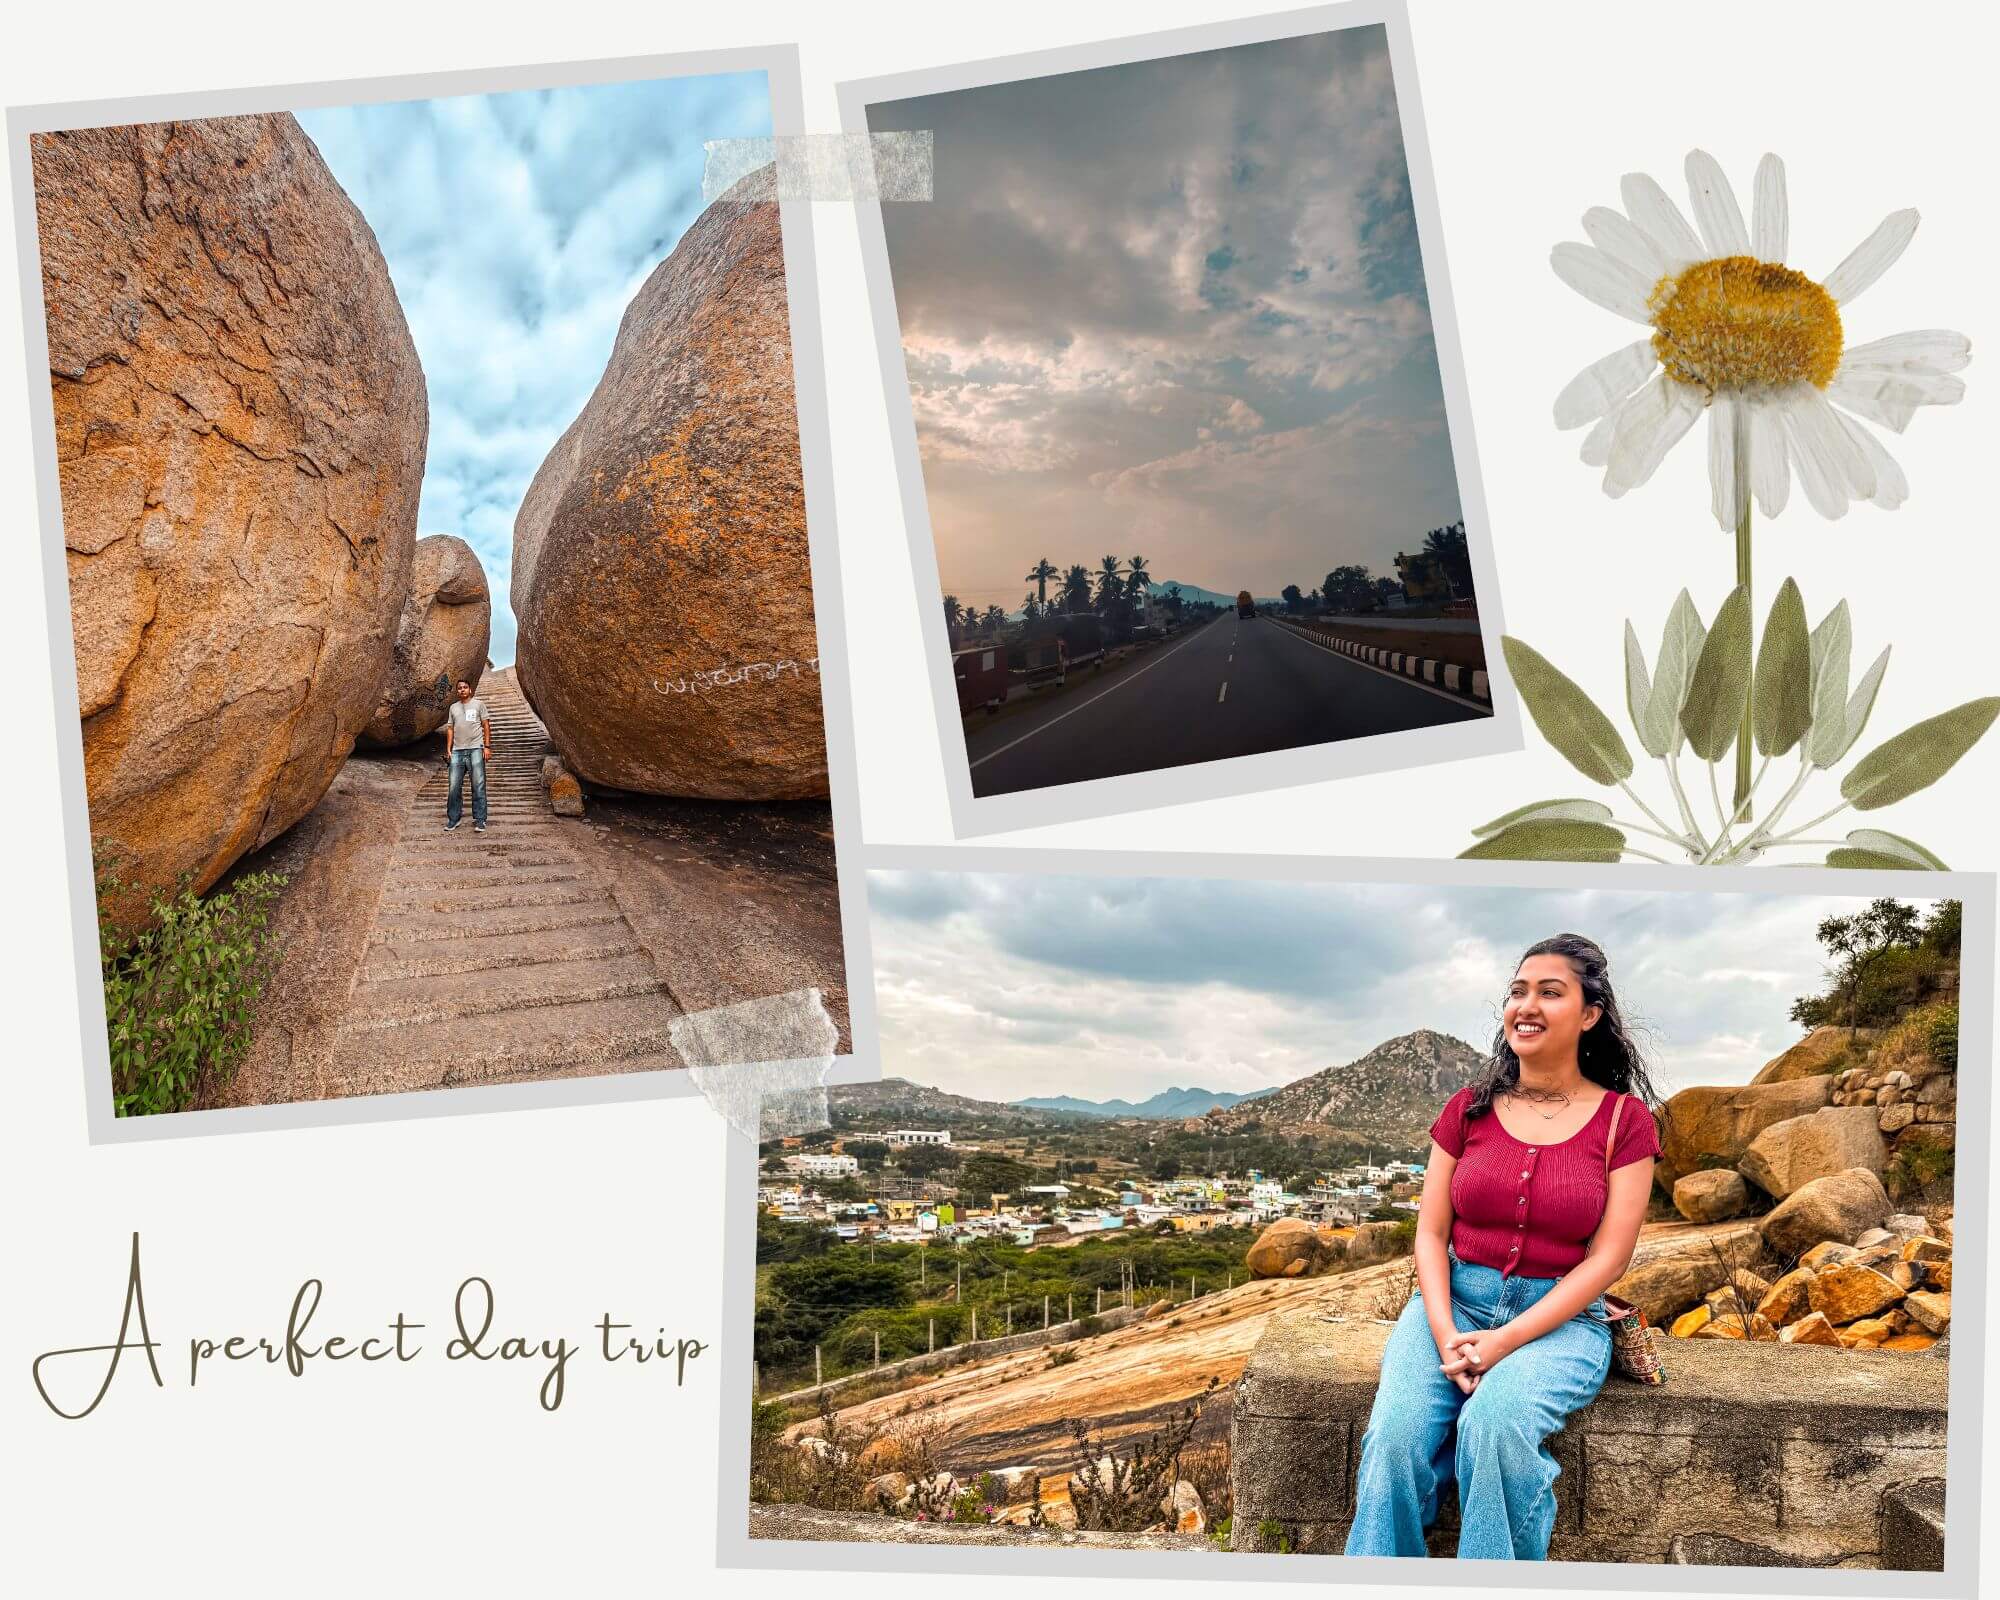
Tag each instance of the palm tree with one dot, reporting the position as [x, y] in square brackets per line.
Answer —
[1449, 547]
[1136, 575]
[1108, 586]
[1076, 588]
[995, 619]
[1029, 608]
[953, 611]
[1039, 577]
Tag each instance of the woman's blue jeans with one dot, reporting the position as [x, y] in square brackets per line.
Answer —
[1425, 1431]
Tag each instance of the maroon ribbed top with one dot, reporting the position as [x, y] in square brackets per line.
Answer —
[1530, 1209]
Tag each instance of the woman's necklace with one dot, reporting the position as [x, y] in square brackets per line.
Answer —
[1559, 1098]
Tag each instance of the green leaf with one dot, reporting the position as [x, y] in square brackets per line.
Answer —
[1721, 679]
[1568, 718]
[1553, 839]
[1876, 859]
[1832, 651]
[1638, 687]
[1918, 756]
[1548, 810]
[1680, 648]
[1783, 698]
[1906, 853]
[1859, 704]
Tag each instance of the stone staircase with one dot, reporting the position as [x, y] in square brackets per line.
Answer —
[498, 955]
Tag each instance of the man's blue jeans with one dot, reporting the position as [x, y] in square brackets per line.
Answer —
[1425, 1431]
[462, 762]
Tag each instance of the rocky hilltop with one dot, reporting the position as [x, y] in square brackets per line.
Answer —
[241, 422]
[1391, 1094]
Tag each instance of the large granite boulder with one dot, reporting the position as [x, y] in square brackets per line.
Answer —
[1788, 1155]
[1719, 1123]
[1289, 1248]
[661, 577]
[1814, 1056]
[240, 428]
[446, 624]
[1841, 1206]
[1714, 1194]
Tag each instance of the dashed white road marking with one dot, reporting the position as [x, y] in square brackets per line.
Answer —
[1224, 695]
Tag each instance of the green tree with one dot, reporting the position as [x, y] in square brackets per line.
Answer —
[953, 612]
[1039, 576]
[1448, 547]
[1109, 584]
[1862, 940]
[1349, 588]
[1137, 578]
[926, 1160]
[1292, 596]
[1076, 589]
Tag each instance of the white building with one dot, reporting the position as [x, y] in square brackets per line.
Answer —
[902, 1138]
[823, 1166]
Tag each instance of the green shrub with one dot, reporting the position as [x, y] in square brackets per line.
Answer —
[180, 989]
[1941, 1036]
[1921, 1170]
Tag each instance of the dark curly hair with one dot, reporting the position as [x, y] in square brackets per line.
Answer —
[1607, 1053]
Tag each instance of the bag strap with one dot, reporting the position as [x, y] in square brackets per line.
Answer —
[1611, 1138]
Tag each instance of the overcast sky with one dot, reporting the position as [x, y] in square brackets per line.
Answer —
[517, 228]
[1005, 986]
[1175, 309]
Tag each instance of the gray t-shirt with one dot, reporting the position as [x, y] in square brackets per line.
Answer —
[464, 718]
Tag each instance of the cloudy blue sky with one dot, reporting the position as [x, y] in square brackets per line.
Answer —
[517, 228]
[1174, 308]
[1006, 985]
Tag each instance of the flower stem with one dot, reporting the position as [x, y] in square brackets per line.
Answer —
[1801, 828]
[1672, 759]
[1755, 838]
[1648, 856]
[1636, 827]
[1741, 814]
[1740, 422]
[1666, 833]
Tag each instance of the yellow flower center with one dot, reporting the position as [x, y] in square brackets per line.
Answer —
[1741, 323]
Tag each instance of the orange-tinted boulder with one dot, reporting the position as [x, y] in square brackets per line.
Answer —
[442, 637]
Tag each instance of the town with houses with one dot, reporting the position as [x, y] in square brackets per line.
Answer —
[906, 1210]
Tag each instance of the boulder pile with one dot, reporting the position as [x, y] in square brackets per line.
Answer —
[240, 424]
[1292, 1248]
[1875, 1281]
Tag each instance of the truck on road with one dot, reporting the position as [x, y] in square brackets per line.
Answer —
[1245, 606]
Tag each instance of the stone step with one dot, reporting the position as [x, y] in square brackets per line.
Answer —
[402, 929]
[442, 997]
[494, 952]
[492, 853]
[457, 901]
[587, 1038]
[450, 877]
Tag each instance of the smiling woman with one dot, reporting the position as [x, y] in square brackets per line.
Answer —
[1533, 1198]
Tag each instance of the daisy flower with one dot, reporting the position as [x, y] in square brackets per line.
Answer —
[1756, 345]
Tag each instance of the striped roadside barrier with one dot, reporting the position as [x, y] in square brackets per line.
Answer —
[1464, 681]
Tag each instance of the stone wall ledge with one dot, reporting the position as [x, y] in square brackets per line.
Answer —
[1788, 1448]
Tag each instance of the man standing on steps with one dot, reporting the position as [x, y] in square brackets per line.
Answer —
[468, 741]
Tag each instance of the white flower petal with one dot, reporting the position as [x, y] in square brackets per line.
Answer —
[1923, 350]
[1874, 256]
[1716, 212]
[1770, 213]
[1600, 386]
[1892, 398]
[1646, 203]
[1723, 488]
[1602, 281]
[1649, 425]
[1597, 443]
[1832, 467]
[1770, 472]
[1616, 237]
[1891, 487]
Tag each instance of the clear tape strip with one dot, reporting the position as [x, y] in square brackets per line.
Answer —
[820, 166]
[762, 1063]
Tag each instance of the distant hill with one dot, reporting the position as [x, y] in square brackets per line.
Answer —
[1168, 1103]
[897, 1101]
[1194, 594]
[1393, 1093]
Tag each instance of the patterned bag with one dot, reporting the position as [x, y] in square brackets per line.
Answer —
[1634, 1354]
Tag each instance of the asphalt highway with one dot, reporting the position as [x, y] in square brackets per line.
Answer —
[1226, 688]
